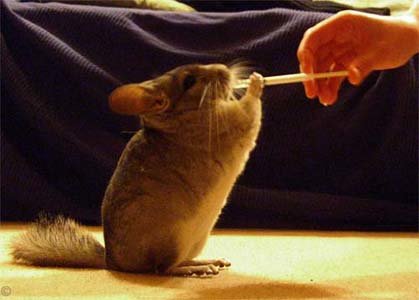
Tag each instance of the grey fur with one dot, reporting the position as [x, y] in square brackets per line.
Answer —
[58, 242]
[171, 182]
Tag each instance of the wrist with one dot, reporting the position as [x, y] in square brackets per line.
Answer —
[411, 22]
[405, 29]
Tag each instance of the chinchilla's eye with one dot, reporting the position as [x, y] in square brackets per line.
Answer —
[188, 82]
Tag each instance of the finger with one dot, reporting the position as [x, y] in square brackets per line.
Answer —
[336, 28]
[309, 88]
[307, 59]
[320, 61]
[306, 66]
[316, 36]
[358, 72]
[332, 57]
[334, 84]
[323, 91]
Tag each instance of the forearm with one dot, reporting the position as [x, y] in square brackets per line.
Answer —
[414, 15]
[410, 21]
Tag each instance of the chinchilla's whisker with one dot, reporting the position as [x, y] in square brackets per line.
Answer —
[204, 93]
[217, 128]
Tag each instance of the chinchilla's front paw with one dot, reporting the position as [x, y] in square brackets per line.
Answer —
[256, 85]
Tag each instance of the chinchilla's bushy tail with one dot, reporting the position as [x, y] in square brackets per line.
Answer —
[58, 242]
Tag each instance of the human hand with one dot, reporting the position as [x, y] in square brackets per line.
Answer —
[357, 42]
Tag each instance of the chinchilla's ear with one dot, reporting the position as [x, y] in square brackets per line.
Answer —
[134, 99]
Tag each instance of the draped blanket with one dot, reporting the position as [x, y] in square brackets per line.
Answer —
[352, 165]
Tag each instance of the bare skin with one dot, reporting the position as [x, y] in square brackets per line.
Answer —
[359, 43]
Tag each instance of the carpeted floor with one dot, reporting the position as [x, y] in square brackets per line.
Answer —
[265, 265]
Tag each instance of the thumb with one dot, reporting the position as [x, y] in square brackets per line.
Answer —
[358, 71]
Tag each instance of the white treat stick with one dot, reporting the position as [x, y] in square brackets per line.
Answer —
[292, 78]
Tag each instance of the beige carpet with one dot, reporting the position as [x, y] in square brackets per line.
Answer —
[265, 265]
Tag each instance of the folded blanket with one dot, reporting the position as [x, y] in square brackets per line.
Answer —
[304, 5]
[351, 165]
[169, 5]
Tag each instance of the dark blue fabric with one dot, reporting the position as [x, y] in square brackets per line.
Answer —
[353, 165]
[304, 5]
